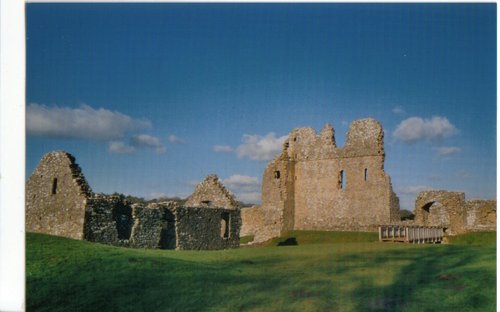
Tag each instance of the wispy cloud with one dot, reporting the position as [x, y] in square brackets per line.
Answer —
[223, 149]
[242, 182]
[447, 150]
[246, 188]
[416, 129]
[249, 198]
[147, 141]
[398, 110]
[255, 147]
[258, 147]
[137, 142]
[83, 122]
[175, 139]
[118, 147]
[412, 189]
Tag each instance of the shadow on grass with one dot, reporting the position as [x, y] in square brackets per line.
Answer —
[66, 275]
[291, 241]
[445, 279]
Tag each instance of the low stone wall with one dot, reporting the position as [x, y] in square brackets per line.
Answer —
[112, 221]
[100, 226]
[147, 226]
[202, 228]
[481, 215]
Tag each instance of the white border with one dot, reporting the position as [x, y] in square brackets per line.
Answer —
[12, 155]
[12, 141]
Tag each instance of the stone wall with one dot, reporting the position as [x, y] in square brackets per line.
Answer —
[452, 211]
[56, 197]
[481, 215]
[315, 185]
[162, 225]
[201, 228]
[211, 193]
[100, 225]
[60, 202]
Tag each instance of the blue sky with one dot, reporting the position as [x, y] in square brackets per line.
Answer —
[151, 98]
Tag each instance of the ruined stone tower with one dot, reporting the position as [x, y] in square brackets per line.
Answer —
[56, 197]
[315, 185]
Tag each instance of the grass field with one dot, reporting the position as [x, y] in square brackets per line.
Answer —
[326, 271]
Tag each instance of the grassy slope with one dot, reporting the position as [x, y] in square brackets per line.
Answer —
[68, 275]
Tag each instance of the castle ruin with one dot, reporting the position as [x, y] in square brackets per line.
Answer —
[315, 185]
[60, 202]
[451, 211]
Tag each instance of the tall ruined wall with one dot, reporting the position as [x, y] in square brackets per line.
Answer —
[56, 197]
[315, 185]
[341, 188]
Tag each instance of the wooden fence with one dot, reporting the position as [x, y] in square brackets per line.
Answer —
[410, 234]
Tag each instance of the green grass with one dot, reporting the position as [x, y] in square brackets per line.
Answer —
[246, 239]
[324, 237]
[68, 275]
[475, 238]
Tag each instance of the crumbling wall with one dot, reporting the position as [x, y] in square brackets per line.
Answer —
[452, 211]
[154, 226]
[441, 208]
[99, 224]
[481, 215]
[207, 229]
[211, 193]
[56, 197]
[322, 187]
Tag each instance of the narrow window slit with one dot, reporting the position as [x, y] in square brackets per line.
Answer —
[54, 186]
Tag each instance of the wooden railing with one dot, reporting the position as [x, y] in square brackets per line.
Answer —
[410, 234]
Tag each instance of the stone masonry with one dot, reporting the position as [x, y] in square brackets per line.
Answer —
[315, 185]
[60, 202]
[211, 193]
[451, 211]
[56, 196]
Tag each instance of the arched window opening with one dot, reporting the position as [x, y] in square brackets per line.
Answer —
[366, 174]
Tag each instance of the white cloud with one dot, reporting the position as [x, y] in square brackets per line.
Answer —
[175, 139]
[448, 150]
[416, 129]
[147, 141]
[157, 195]
[119, 147]
[245, 188]
[257, 147]
[398, 110]
[238, 183]
[223, 149]
[412, 189]
[249, 198]
[84, 122]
